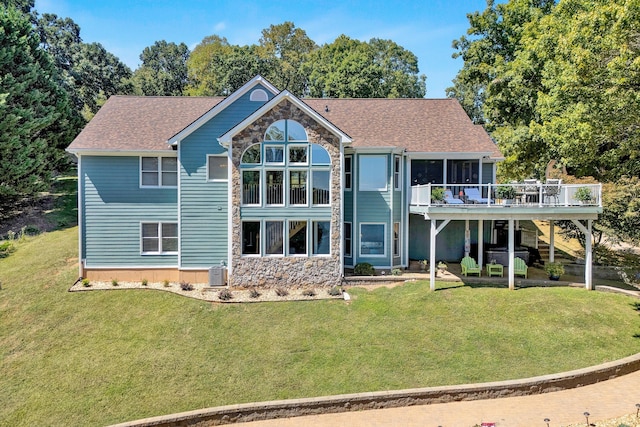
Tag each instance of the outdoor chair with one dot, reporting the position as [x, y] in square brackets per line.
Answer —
[552, 189]
[469, 266]
[531, 191]
[473, 195]
[448, 198]
[520, 267]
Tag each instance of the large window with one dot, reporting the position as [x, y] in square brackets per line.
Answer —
[321, 237]
[159, 237]
[297, 237]
[158, 171]
[372, 241]
[372, 174]
[285, 170]
[274, 238]
[251, 238]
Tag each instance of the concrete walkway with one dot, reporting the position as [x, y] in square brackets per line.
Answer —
[604, 400]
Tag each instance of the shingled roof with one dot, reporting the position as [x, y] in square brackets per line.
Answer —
[417, 125]
[140, 123]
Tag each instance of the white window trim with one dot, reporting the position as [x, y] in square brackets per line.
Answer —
[350, 246]
[307, 185]
[159, 225]
[384, 240]
[350, 172]
[313, 237]
[159, 172]
[263, 238]
[259, 254]
[281, 146]
[362, 181]
[393, 239]
[307, 241]
[226, 158]
[260, 173]
[310, 186]
[264, 187]
[298, 145]
[397, 174]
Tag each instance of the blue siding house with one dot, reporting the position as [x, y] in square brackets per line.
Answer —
[278, 190]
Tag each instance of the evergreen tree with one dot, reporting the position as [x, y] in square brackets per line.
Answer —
[36, 118]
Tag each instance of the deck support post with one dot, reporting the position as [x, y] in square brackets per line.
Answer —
[588, 252]
[551, 241]
[480, 242]
[432, 256]
[467, 238]
[511, 255]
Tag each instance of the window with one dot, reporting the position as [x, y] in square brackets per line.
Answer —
[372, 240]
[259, 95]
[276, 131]
[159, 171]
[295, 131]
[397, 182]
[159, 238]
[320, 187]
[251, 155]
[348, 179]
[396, 239]
[298, 154]
[297, 237]
[321, 237]
[298, 187]
[372, 173]
[319, 155]
[347, 239]
[251, 238]
[217, 168]
[274, 187]
[274, 238]
[274, 154]
[251, 187]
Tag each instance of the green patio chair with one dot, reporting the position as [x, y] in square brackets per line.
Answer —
[469, 266]
[520, 267]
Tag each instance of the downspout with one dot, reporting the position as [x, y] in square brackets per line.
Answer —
[229, 211]
[341, 225]
[80, 202]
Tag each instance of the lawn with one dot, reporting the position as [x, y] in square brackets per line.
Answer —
[101, 357]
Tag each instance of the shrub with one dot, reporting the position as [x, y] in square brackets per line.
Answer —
[364, 269]
[253, 293]
[335, 291]
[225, 295]
[309, 293]
[282, 292]
[114, 282]
[30, 230]
[396, 272]
[86, 283]
[186, 286]
[165, 283]
[6, 249]
[437, 194]
[506, 192]
[144, 282]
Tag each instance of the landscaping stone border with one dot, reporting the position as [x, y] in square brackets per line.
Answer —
[390, 399]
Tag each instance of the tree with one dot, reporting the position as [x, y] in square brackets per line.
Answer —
[88, 72]
[203, 78]
[36, 118]
[289, 47]
[163, 70]
[349, 68]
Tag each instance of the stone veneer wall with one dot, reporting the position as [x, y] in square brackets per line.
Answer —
[286, 271]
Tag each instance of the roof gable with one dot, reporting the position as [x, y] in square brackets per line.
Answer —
[225, 139]
[256, 81]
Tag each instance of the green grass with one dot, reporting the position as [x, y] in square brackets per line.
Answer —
[101, 357]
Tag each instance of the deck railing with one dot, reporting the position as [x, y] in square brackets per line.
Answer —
[514, 194]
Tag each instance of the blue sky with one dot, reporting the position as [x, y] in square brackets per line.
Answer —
[425, 27]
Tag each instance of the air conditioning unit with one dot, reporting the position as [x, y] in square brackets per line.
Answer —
[216, 276]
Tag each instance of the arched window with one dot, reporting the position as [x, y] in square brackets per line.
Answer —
[259, 95]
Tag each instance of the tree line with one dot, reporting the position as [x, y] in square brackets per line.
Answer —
[559, 81]
[52, 82]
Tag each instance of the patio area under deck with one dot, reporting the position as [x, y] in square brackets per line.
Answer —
[441, 215]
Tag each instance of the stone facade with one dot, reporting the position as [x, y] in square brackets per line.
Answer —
[286, 271]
